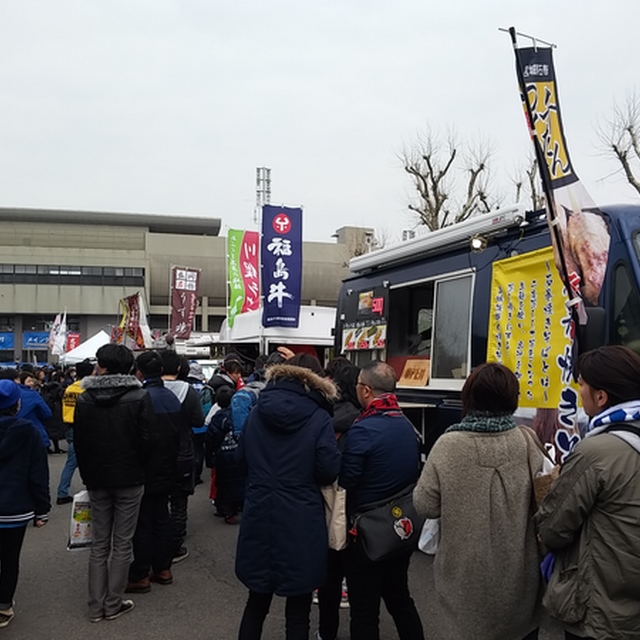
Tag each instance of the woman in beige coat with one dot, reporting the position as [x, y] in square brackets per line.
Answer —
[477, 480]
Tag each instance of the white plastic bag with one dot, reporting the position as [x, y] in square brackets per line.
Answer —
[80, 524]
[430, 536]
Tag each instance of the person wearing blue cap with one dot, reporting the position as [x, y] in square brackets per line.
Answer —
[24, 490]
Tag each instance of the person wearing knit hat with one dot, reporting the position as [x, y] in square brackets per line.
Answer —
[9, 394]
[24, 490]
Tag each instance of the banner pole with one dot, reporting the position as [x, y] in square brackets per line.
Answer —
[226, 274]
[544, 176]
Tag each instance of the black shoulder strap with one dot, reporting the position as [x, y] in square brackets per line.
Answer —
[631, 427]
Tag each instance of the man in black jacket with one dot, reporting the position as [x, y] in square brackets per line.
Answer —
[152, 542]
[111, 433]
[191, 407]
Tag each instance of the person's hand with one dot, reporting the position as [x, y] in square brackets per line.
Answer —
[287, 354]
[40, 523]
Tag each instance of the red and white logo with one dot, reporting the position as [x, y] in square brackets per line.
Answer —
[403, 528]
[281, 223]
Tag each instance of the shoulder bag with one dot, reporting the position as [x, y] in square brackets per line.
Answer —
[387, 528]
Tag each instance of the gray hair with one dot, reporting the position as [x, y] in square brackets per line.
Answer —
[379, 376]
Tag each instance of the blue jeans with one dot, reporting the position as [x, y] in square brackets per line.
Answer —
[67, 472]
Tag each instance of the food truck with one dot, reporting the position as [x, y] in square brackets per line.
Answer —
[436, 306]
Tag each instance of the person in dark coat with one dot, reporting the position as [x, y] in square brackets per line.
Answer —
[345, 410]
[173, 366]
[380, 458]
[32, 407]
[52, 392]
[152, 542]
[289, 448]
[111, 435]
[223, 444]
[24, 490]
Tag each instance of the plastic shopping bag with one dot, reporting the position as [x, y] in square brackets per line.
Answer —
[430, 536]
[80, 525]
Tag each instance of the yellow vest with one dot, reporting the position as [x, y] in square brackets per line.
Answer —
[69, 400]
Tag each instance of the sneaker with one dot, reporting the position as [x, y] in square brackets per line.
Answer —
[96, 619]
[230, 520]
[162, 577]
[318, 636]
[139, 586]
[180, 555]
[125, 607]
[6, 617]
[344, 598]
[64, 500]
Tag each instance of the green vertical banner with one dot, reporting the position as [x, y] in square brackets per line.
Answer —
[236, 284]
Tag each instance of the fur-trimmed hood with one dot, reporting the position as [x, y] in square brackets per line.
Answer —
[109, 388]
[292, 396]
[309, 379]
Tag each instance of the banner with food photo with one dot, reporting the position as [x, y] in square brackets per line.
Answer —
[579, 230]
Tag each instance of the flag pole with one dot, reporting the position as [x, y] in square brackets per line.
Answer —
[554, 223]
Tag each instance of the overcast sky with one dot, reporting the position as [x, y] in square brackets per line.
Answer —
[168, 106]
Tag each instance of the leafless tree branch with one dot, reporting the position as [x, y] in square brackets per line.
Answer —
[619, 137]
[451, 179]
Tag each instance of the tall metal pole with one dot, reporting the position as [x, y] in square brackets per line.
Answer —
[263, 191]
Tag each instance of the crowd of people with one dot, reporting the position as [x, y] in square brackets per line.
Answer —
[296, 452]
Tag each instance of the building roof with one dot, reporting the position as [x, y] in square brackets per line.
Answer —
[156, 223]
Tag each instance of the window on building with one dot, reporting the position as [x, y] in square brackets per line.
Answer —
[71, 275]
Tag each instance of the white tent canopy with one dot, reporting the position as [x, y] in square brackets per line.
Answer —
[315, 328]
[85, 350]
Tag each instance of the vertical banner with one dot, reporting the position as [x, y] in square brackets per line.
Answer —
[243, 269]
[579, 230]
[73, 340]
[58, 335]
[236, 285]
[531, 332]
[281, 253]
[184, 300]
[133, 331]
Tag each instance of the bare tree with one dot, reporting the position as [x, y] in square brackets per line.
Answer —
[360, 241]
[620, 138]
[451, 179]
[527, 182]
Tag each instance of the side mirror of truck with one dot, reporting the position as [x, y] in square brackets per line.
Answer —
[593, 334]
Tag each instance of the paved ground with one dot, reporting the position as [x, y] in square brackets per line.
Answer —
[204, 603]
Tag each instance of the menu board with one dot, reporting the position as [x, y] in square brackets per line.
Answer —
[365, 323]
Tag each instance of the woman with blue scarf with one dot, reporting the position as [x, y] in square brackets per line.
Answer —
[477, 480]
[591, 516]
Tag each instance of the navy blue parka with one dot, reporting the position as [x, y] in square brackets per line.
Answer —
[289, 448]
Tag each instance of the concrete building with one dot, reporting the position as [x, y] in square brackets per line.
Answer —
[86, 261]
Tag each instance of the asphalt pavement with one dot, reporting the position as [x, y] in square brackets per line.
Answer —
[205, 601]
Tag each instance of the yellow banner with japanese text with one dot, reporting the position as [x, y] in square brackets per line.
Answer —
[530, 331]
